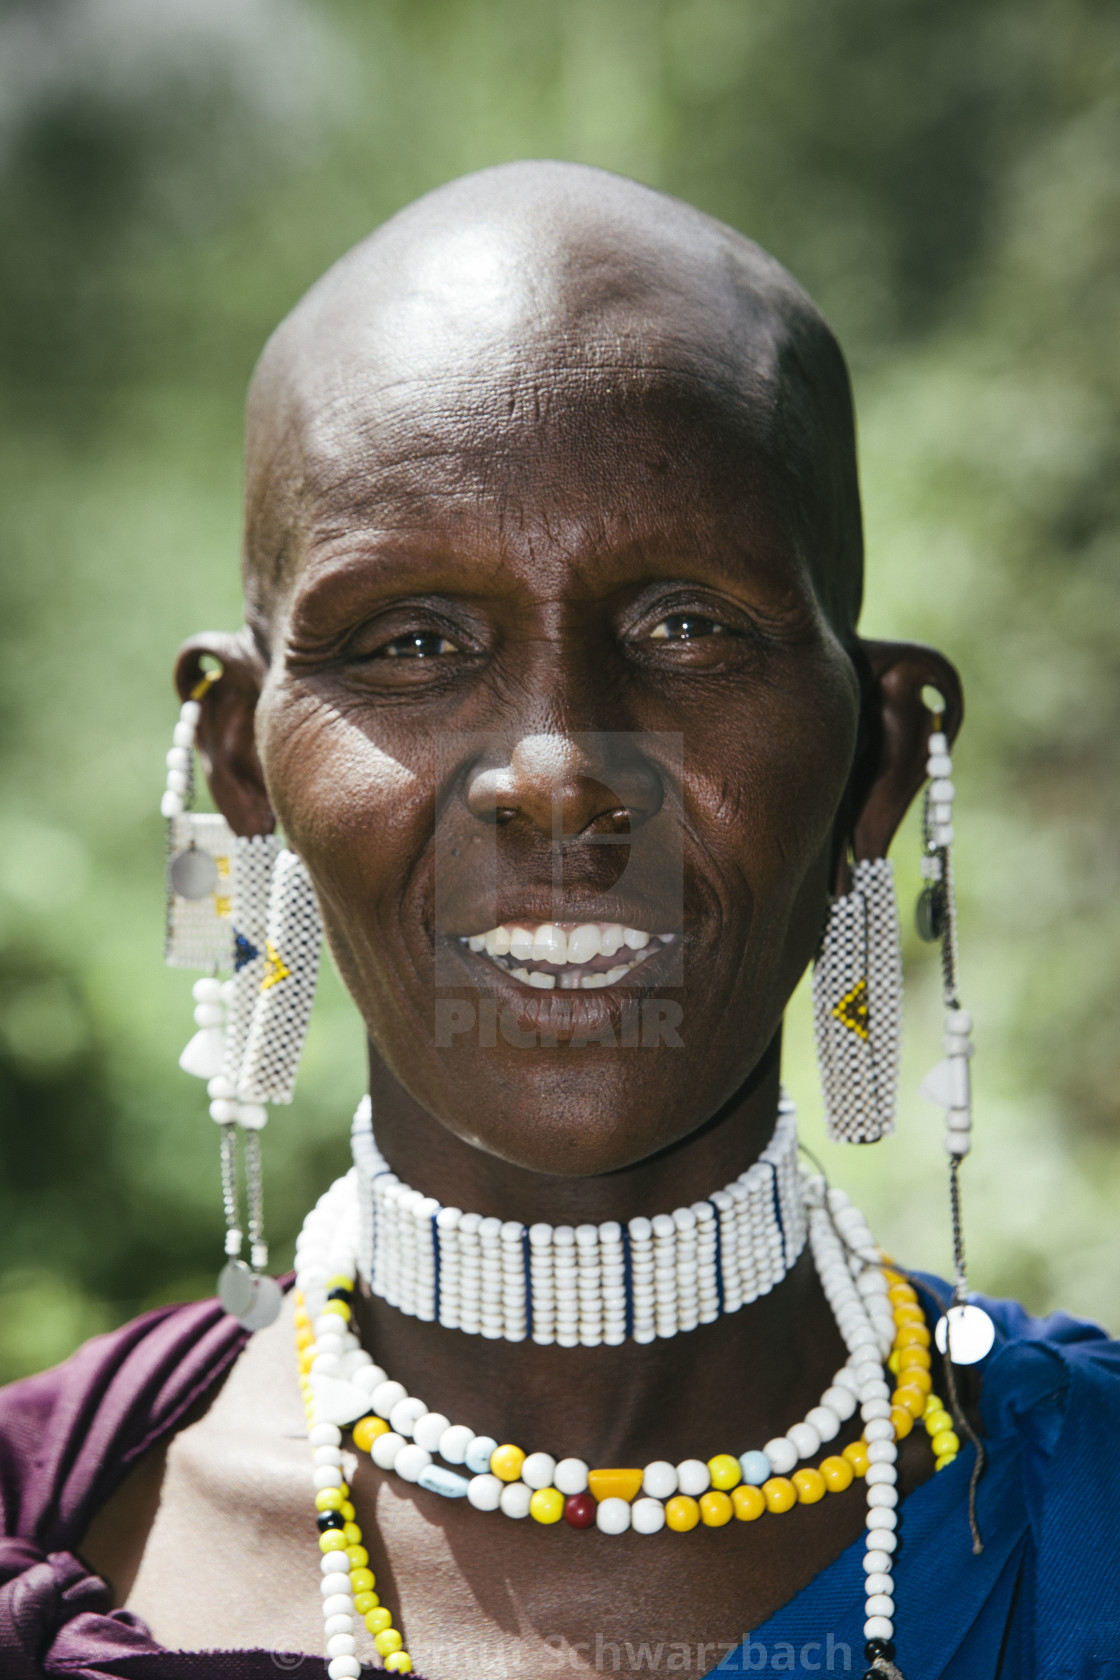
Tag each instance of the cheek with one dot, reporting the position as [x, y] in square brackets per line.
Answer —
[356, 814]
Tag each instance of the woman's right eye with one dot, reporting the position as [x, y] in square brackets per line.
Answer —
[416, 644]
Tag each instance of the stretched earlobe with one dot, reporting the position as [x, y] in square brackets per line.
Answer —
[226, 738]
[896, 724]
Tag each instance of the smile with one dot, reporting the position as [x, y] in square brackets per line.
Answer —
[567, 956]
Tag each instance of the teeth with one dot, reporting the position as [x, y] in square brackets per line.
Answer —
[583, 943]
[550, 944]
[610, 938]
[520, 943]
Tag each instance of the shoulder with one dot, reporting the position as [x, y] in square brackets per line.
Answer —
[69, 1435]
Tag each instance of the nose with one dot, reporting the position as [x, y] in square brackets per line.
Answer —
[565, 785]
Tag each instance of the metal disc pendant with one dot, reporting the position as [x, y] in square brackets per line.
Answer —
[927, 915]
[265, 1307]
[193, 874]
[972, 1333]
[235, 1287]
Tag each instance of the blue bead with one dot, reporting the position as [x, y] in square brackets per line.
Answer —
[479, 1453]
[438, 1480]
[755, 1467]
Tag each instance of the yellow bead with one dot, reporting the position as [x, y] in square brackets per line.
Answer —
[614, 1484]
[916, 1378]
[725, 1471]
[937, 1422]
[682, 1513]
[398, 1662]
[903, 1422]
[945, 1441]
[912, 1335]
[810, 1485]
[329, 1499]
[378, 1620]
[901, 1294]
[388, 1642]
[366, 1431]
[547, 1505]
[342, 1308]
[715, 1509]
[365, 1602]
[332, 1541]
[911, 1400]
[305, 1360]
[946, 1458]
[352, 1533]
[299, 1297]
[748, 1502]
[506, 1462]
[779, 1494]
[362, 1580]
[906, 1314]
[913, 1358]
[856, 1454]
[894, 1365]
[838, 1473]
[348, 1511]
[358, 1555]
[340, 1281]
[304, 1339]
[934, 1404]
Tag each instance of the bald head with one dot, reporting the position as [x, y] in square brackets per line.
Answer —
[511, 318]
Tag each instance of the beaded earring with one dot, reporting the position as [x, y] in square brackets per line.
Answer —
[966, 1330]
[857, 1006]
[240, 903]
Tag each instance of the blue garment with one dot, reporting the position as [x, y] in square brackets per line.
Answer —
[1042, 1601]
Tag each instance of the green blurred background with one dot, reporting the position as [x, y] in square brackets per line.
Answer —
[943, 175]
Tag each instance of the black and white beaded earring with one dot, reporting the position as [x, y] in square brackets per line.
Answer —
[857, 1006]
[242, 904]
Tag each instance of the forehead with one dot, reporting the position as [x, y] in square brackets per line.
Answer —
[534, 371]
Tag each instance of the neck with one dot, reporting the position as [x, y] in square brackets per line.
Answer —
[741, 1379]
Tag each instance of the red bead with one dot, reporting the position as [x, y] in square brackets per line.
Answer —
[579, 1510]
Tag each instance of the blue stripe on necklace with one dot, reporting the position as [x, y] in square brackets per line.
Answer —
[778, 1211]
[628, 1281]
[719, 1255]
[528, 1281]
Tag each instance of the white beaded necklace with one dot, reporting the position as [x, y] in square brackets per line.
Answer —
[344, 1385]
[586, 1285]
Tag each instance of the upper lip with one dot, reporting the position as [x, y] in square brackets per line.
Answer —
[536, 908]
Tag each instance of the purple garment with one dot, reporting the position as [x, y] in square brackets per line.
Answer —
[67, 1438]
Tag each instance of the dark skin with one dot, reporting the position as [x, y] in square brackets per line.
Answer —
[514, 537]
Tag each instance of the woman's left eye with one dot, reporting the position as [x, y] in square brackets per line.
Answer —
[685, 627]
[417, 644]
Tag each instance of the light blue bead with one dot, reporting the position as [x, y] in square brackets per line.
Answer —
[447, 1482]
[755, 1467]
[479, 1453]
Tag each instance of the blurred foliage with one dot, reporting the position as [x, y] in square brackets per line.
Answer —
[943, 175]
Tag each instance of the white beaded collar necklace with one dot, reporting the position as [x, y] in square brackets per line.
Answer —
[588, 1285]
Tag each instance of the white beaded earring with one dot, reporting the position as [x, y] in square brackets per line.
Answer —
[857, 1006]
[967, 1330]
[245, 904]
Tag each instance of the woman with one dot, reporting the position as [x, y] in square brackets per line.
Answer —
[551, 676]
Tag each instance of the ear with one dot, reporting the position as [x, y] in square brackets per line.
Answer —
[225, 738]
[895, 728]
